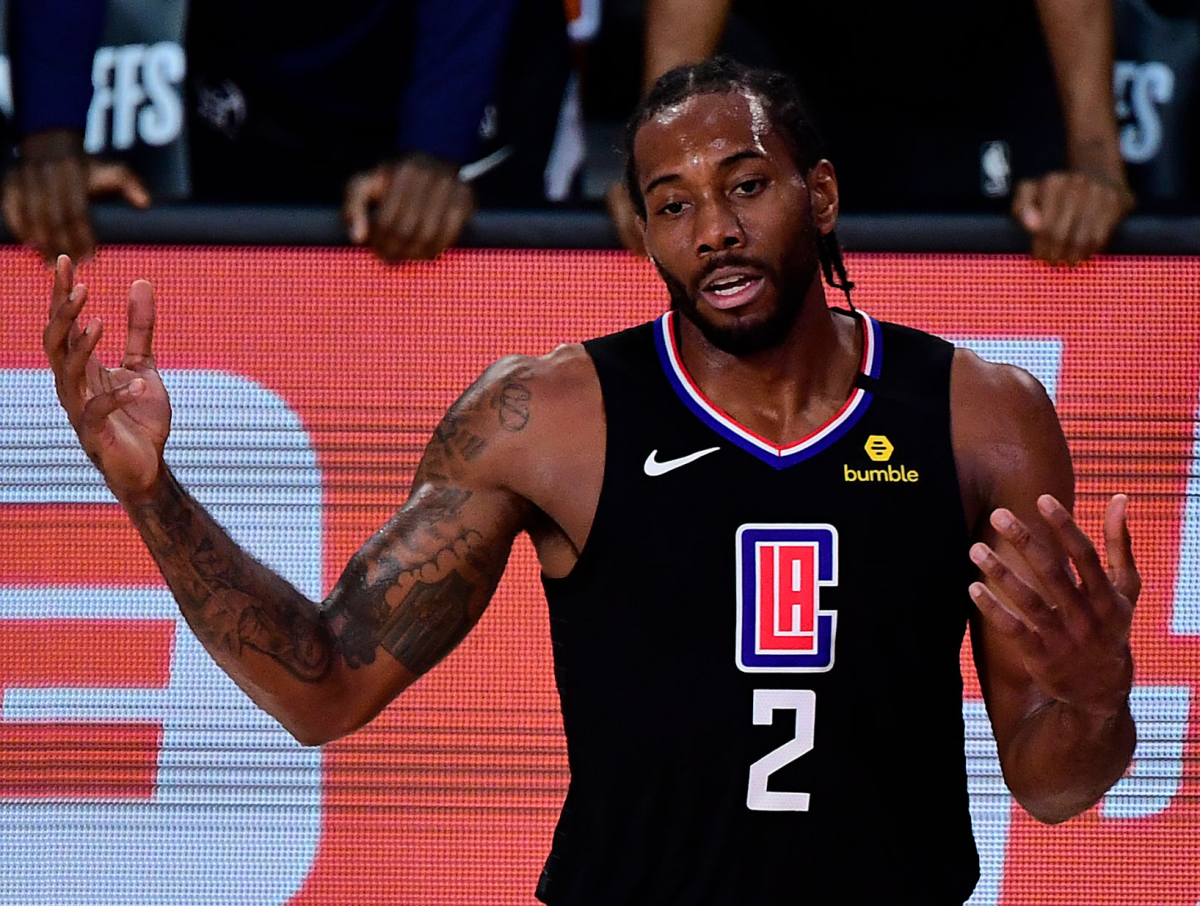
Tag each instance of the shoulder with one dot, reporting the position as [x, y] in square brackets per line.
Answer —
[520, 418]
[1006, 434]
[976, 382]
[561, 379]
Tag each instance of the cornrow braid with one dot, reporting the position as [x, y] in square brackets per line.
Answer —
[781, 101]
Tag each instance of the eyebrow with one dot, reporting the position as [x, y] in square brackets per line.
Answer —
[747, 154]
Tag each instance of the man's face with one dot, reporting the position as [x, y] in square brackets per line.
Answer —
[729, 220]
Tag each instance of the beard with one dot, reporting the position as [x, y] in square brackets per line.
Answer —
[746, 336]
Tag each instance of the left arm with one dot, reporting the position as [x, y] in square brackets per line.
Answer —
[1072, 214]
[420, 203]
[1051, 629]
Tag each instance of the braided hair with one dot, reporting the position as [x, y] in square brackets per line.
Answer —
[780, 99]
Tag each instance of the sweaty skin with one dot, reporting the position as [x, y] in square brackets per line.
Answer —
[523, 450]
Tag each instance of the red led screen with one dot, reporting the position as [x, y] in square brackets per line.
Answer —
[305, 384]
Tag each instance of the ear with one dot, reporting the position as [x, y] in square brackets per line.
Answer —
[823, 192]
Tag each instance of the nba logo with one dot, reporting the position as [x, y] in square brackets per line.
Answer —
[780, 625]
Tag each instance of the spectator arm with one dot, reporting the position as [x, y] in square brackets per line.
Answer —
[1079, 35]
[678, 32]
[51, 46]
[456, 68]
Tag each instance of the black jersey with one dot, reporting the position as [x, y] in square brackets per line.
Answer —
[757, 651]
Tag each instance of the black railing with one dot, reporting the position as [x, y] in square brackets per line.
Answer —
[185, 224]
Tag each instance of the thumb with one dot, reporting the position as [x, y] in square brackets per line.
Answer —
[1026, 205]
[362, 191]
[1118, 546]
[109, 179]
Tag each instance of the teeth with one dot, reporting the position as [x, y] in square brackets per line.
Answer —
[728, 289]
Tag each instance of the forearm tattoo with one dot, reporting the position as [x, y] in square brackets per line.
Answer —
[231, 601]
[414, 590]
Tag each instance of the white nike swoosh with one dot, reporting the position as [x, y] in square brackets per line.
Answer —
[654, 467]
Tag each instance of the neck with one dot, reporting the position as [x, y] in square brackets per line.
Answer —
[784, 392]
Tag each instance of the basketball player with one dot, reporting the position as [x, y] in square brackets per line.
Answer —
[754, 517]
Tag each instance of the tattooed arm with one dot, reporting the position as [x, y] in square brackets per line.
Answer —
[406, 599]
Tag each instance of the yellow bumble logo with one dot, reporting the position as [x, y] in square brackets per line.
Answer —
[879, 448]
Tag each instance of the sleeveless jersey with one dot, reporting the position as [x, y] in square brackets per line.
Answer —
[757, 652]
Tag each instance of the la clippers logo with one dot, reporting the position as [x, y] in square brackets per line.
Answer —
[780, 571]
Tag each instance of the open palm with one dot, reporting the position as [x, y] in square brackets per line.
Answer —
[122, 415]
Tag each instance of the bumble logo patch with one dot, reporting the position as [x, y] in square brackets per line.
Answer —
[880, 449]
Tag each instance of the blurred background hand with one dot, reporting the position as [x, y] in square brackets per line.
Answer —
[1071, 215]
[412, 208]
[624, 218]
[46, 194]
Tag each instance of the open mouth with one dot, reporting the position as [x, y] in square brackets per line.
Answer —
[732, 291]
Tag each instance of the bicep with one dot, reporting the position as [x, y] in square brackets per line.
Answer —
[1009, 441]
[419, 585]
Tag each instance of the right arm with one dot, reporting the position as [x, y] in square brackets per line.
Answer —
[406, 599]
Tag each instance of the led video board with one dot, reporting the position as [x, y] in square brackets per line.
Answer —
[305, 383]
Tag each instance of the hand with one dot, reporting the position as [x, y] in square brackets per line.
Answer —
[121, 415]
[624, 218]
[421, 207]
[1075, 640]
[1071, 215]
[45, 196]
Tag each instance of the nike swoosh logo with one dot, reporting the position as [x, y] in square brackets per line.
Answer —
[653, 467]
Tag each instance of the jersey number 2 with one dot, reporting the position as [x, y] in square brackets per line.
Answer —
[766, 703]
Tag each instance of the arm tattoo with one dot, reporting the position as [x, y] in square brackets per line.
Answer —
[453, 438]
[417, 611]
[415, 590]
[232, 602]
[512, 404]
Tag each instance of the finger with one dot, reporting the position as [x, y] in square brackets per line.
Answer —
[1118, 546]
[625, 219]
[456, 219]
[63, 326]
[398, 214]
[14, 207]
[71, 186]
[1062, 214]
[34, 197]
[1078, 545]
[1100, 221]
[55, 179]
[1049, 569]
[109, 179]
[440, 198]
[361, 192]
[993, 609]
[135, 192]
[1018, 596]
[64, 283]
[141, 314]
[102, 405]
[79, 354]
[1026, 207]
[1091, 203]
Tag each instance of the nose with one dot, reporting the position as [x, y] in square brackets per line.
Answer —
[718, 227]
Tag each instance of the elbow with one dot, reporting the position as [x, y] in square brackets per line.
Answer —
[314, 727]
[309, 737]
[1052, 813]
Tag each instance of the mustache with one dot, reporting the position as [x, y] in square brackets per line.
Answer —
[732, 259]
